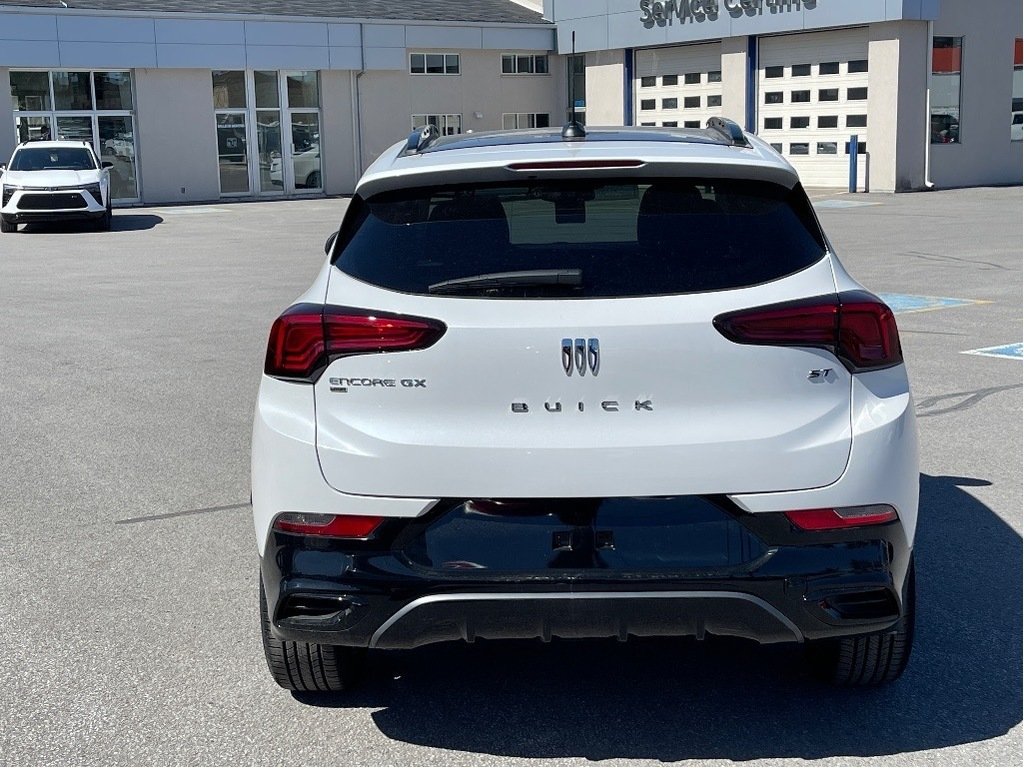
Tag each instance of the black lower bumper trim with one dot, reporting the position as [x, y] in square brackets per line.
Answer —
[508, 616]
[52, 217]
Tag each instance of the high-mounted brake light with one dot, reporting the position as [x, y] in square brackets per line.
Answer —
[306, 337]
[841, 517]
[337, 526]
[855, 326]
[573, 165]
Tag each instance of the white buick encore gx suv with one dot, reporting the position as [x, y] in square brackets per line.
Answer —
[584, 384]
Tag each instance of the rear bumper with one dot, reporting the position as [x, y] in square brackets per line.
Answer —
[800, 586]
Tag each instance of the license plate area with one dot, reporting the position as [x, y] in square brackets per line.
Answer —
[627, 536]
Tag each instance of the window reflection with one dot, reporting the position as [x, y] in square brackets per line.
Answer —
[30, 91]
[302, 90]
[945, 91]
[72, 90]
[306, 150]
[232, 154]
[117, 146]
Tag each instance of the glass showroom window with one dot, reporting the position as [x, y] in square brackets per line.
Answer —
[448, 125]
[268, 132]
[511, 121]
[524, 64]
[1017, 97]
[947, 59]
[83, 105]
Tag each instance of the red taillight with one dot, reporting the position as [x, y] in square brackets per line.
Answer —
[338, 526]
[841, 517]
[308, 336]
[855, 326]
[867, 334]
[296, 344]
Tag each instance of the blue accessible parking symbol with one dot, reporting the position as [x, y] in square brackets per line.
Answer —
[904, 303]
[1012, 351]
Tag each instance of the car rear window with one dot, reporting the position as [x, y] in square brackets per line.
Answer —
[613, 238]
[52, 159]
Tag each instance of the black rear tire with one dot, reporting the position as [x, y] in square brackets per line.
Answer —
[308, 666]
[868, 660]
[8, 227]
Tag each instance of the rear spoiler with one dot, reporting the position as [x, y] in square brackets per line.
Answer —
[617, 164]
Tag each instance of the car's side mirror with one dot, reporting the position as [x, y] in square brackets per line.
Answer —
[107, 164]
[3, 167]
[330, 243]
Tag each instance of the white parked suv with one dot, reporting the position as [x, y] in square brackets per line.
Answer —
[577, 384]
[54, 181]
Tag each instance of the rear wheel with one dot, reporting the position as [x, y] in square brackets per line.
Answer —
[6, 226]
[308, 666]
[867, 660]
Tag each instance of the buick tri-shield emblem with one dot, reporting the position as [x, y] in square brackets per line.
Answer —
[581, 354]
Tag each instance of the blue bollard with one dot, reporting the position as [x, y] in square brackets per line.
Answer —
[853, 163]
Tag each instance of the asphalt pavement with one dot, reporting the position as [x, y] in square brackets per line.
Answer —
[128, 579]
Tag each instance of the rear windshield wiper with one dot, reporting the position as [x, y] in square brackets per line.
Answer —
[527, 278]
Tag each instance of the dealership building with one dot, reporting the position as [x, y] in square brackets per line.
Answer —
[930, 88]
[197, 101]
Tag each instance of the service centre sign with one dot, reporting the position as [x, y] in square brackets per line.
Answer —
[667, 12]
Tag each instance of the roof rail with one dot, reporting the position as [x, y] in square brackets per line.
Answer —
[729, 129]
[421, 139]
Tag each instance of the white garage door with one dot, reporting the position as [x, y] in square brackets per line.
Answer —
[812, 96]
[678, 87]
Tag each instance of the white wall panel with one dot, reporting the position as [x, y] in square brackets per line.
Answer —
[575, 9]
[384, 36]
[345, 58]
[29, 53]
[27, 26]
[443, 37]
[286, 57]
[196, 31]
[105, 29]
[591, 33]
[201, 56]
[107, 55]
[343, 35]
[519, 39]
[284, 33]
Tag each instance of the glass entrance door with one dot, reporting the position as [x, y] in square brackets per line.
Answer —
[277, 114]
[232, 153]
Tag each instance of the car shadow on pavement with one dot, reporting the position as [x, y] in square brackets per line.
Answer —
[134, 222]
[679, 699]
[121, 222]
